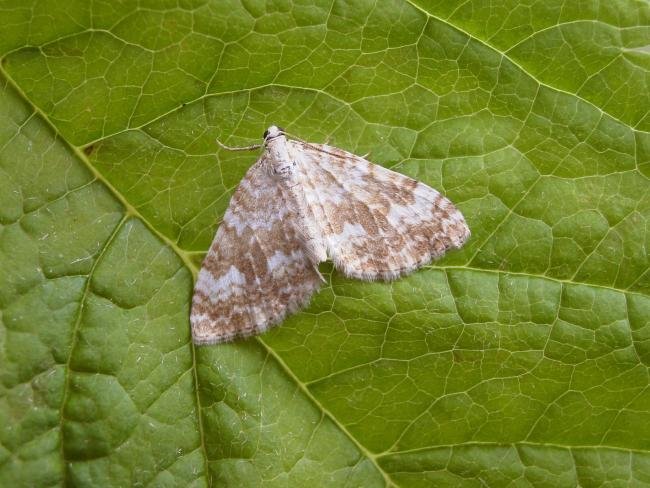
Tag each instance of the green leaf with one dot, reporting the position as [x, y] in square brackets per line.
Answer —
[520, 360]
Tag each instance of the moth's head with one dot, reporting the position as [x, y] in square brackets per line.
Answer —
[273, 131]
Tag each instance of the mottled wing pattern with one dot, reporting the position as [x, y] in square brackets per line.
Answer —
[255, 272]
[376, 223]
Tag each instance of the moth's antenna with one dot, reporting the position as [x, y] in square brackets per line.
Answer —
[304, 142]
[252, 147]
[289, 134]
[315, 148]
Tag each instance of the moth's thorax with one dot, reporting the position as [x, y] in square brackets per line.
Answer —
[283, 166]
[281, 162]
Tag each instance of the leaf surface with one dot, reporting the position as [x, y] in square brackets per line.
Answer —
[521, 359]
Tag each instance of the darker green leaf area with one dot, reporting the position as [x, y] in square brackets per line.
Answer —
[520, 360]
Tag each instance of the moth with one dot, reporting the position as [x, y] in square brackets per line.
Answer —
[298, 205]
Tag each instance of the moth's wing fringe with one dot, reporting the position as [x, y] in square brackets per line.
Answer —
[291, 309]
